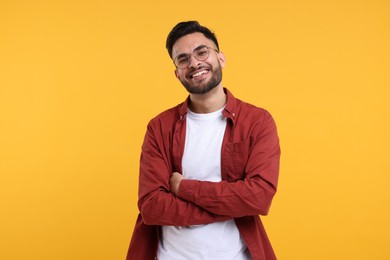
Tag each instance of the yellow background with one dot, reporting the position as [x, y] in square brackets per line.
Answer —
[79, 80]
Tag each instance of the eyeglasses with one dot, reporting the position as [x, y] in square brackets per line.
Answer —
[200, 53]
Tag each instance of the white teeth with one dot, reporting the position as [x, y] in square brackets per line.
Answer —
[199, 73]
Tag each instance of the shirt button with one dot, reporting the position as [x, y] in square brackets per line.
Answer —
[233, 114]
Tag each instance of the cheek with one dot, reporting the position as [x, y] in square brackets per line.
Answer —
[180, 76]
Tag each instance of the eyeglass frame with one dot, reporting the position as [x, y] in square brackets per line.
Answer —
[188, 56]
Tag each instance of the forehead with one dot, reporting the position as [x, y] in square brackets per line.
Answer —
[189, 42]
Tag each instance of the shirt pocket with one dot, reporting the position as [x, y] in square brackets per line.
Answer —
[240, 157]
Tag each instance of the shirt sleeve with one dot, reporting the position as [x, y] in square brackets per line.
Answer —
[254, 193]
[157, 205]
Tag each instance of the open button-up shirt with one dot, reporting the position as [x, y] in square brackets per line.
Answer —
[249, 167]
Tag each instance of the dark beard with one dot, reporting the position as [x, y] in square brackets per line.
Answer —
[214, 81]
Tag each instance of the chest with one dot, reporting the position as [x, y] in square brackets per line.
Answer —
[202, 149]
[231, 156]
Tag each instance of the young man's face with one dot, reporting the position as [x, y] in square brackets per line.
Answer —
[198, 77]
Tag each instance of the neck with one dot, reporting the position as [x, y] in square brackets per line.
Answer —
[209, 102]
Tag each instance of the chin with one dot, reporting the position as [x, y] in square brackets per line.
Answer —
[200, 90]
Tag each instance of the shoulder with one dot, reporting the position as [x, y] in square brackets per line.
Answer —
[244, 111]
[255, 122]
[250, 112]
[166, 118]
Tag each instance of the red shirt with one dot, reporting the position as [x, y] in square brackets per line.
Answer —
[249, 168]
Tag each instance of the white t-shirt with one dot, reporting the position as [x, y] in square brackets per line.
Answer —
[202, 161]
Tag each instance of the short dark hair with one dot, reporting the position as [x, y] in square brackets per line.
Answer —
[183, 28]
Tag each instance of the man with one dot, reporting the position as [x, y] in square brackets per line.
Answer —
[209, 166]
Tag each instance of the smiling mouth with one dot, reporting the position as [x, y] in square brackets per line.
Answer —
[198, 74]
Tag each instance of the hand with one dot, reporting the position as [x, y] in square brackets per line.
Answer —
[174, 182]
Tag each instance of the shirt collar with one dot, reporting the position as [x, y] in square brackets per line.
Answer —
[229, 111]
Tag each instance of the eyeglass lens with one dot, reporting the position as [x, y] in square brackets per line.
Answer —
[182, 61]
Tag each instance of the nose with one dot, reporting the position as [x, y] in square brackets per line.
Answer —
[193, 62]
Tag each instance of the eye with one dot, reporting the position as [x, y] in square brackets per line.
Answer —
[182, 60]
[202, 53]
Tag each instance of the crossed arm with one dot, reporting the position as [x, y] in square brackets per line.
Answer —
[166, 198]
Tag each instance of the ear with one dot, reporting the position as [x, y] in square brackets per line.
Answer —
[176, 73]
[222, 59]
